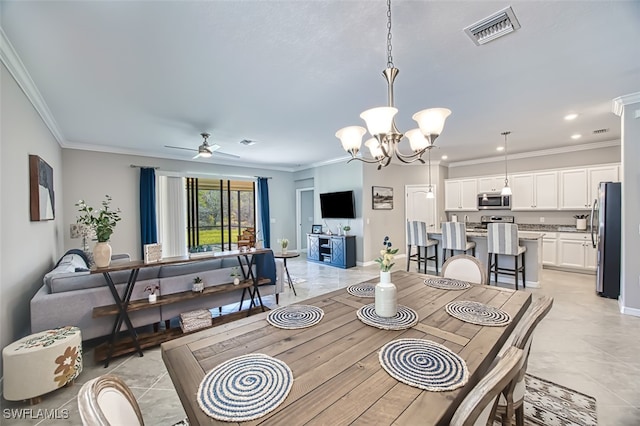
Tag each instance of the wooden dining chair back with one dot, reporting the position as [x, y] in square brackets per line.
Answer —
[466, 268]
[480, 404]
[511, 401]
[107, 400]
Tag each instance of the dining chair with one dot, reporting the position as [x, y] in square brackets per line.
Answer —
[454, 238]
[502, 240]
[480, 403]
[107, 400]
[417, 236]
[466, 268]
[511, 400]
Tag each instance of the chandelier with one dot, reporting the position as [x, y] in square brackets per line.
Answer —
[381, 125]
[506, 190]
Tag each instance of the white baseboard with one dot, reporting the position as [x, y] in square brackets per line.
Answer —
[627, 310]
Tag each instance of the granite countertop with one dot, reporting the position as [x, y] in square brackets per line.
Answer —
[533, 227]
[482, 233]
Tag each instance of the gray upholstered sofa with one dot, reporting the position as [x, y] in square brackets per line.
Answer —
[68, 298]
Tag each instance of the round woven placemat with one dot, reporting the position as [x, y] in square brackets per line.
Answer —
[447, 283]
[478, 313]
[405, 318]
[362, 290]
[295, 316]
[424, 364]
[244, 388]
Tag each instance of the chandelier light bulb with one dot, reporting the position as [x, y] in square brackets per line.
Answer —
[374, 148]
[379, 120]
[417, 141]
[431, 121]
[351, 137]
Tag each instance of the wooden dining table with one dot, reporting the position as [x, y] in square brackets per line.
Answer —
[338, 378]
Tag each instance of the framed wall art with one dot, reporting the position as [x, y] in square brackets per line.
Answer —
[316, 229]
[382, 198]
[41, 194]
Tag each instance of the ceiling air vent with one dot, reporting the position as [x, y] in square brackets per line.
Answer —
[496, 25]
[247, 142]
[600, 131]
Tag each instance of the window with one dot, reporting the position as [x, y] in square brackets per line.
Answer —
[218, 211]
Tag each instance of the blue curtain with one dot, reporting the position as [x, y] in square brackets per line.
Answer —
[263, 200]
[148, 221]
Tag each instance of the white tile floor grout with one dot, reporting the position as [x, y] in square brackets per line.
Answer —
[584, 343]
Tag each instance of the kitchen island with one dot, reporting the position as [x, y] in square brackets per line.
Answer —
[533, 257]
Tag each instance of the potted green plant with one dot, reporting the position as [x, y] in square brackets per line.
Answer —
[284, 243]
[102, 222]
[151, 289]
[198, 285]
[346, 229]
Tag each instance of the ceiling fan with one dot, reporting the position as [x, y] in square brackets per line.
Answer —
[205, 150]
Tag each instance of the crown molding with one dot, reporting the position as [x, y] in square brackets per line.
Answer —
[12, 61]
[619, 103]
[541, 153]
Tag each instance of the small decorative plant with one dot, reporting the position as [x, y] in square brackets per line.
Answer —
[284, 243]
[102, 221]
[346, 228]
[198, 285]
[235, 273]
[386, 256]
[580, 216]
[151, 289]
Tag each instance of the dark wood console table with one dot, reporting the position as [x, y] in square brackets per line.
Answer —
[123, 305]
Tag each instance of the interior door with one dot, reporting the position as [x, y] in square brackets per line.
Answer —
[419, 207]
[304, 216]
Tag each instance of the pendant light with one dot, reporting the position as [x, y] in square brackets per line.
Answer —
[506, 190]
[430, 194]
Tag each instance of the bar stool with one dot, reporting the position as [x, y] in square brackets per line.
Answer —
[454, 237]
[502, 239]
[417, 236]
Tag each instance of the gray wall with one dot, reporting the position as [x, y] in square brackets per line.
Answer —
[27, 249]
[630, 280]
[90, 175]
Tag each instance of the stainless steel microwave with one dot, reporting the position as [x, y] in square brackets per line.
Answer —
[493, 201]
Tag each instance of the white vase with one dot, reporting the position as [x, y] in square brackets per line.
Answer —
[386, 296]
[284, 250]
[581, 224]
[102, 254]
[153, 298]
[236, 281]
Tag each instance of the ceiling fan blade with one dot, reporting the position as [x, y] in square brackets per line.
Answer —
[224, 154]
[180, 147]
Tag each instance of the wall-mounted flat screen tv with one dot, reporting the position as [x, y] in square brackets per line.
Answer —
[338, 205]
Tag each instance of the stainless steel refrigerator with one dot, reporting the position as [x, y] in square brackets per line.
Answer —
[606, 237]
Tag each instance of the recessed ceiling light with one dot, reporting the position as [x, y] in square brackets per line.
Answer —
[444, 157]
[571, 116]
[500, 148]
[576, 136]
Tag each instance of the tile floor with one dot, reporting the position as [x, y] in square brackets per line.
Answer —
[584, 343]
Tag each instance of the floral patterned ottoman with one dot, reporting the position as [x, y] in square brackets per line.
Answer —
[41, 363]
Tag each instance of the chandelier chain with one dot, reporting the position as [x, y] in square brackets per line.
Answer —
[389, 47]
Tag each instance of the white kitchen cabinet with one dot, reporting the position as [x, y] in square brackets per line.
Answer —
[534, 191]
[575, 251]
[579, 187]
[460, 194]
[550, 248]
[490, 184]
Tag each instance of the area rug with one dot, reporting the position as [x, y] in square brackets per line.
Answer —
[297, 280]
[549, 404]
